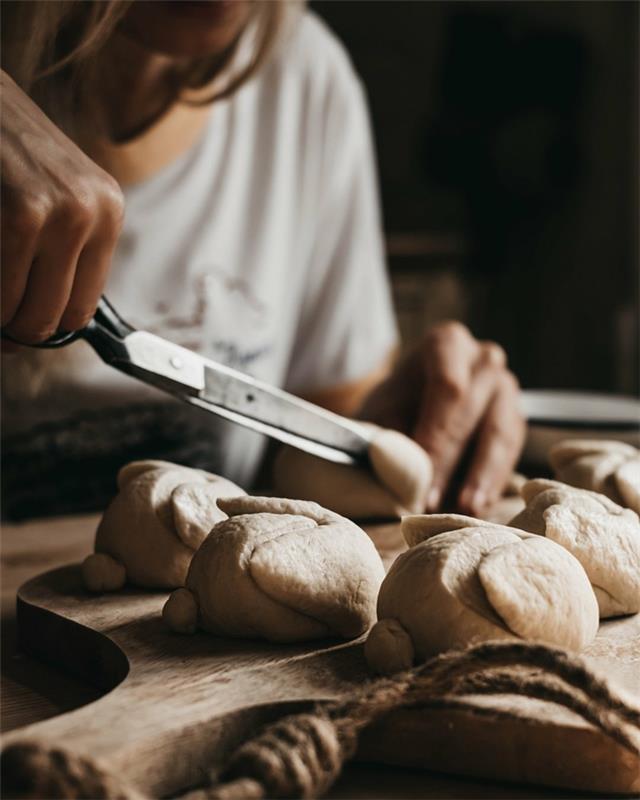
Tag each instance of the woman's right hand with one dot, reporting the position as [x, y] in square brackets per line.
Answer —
[61, 218]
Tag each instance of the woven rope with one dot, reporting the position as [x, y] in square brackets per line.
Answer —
[302, 755]
[33, 769]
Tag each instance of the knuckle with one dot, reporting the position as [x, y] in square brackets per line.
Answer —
[448, 330]
[91, 202]
[113, 216]
[28, 214]
[75, 211]
[445, 439]
[495, 430]
[112, 203]
[449, 386]
[494, 355]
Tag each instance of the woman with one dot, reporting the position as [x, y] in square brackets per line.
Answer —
[209, 166]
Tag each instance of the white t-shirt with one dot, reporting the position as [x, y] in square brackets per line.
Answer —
[260, 247]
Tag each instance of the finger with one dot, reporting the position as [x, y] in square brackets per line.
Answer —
[450, 432]
[449, 357]
[19, 245]
[458, 389]
[48, 286]
[450, 354]
[492, 355]
[8, 347]
[89, 280]
[500, 440]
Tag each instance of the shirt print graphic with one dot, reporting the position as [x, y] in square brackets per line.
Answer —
[225, 320]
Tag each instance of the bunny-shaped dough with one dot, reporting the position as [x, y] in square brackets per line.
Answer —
[282, 570]
[464, 580]
[151, 529]
[603, 536]
[397, 484]
[608, 467]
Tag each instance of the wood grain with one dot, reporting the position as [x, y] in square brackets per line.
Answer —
[180, 704]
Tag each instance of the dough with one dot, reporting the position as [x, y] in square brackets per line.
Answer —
[602, 535]
[150, 530]
[609, 467]
[420, 527]
[398, 482]
[283, 570]
[469, 581]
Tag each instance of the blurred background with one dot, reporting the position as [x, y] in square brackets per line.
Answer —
[507, 140]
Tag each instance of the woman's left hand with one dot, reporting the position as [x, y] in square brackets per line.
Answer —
[454, 395]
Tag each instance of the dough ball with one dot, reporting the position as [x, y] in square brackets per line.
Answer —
[101, 573]
[482, 582]
[389, 648]
[158, 519]
[603, 536]
[286, 571]
[609, 467]
[180, 612]
[514, 485]
[397, 483]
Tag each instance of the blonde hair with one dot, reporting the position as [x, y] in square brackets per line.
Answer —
[53, 50]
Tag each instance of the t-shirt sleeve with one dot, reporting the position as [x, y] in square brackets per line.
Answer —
[347, 325]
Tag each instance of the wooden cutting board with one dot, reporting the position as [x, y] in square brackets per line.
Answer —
[181, 704]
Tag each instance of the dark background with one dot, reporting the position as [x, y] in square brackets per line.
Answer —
[507, 139]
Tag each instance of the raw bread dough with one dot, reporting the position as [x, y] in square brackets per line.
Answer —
[602, 535]
[398, 483]
[608, 467]
[468, 581]
[150, 530]
[418, 528]
[283, 570]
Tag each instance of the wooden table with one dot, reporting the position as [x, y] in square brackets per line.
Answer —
[32, 691]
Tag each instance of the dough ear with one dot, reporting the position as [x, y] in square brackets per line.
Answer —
[569, 449]
[102, 573]
[328, 572]
[520, 578]
[419, 527]
[627, 478]
[236, 506]
[536, 486]
[540, 495]
[136, 468]
[180, 612]
[389, 648]
[195, 512]
[514, 485]
[607, 546]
